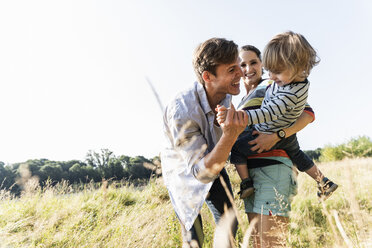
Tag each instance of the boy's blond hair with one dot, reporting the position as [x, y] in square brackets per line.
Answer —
[291, 51]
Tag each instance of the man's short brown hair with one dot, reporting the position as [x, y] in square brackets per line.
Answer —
[211, 53]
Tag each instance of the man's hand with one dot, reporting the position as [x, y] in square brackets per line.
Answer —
[263, 142]
[235, 122]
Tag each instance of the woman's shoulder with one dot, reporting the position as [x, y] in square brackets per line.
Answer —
[265, 82]
[254, 100]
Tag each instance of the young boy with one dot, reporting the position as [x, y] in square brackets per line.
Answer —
[289, 59]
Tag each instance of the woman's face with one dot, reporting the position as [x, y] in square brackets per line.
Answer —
[251, 66]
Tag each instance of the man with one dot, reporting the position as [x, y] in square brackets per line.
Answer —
[197, 148]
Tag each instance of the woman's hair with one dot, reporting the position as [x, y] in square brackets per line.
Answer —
[211, 53]
[254, 49]
[291, 51]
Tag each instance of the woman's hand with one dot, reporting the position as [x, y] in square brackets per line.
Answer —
[263, 142]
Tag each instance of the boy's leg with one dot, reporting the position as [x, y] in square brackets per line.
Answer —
[239, 153]
[246, 186]
[326, 188]
[241, 149]
[242, 170]
[315, 173]
[298, 157]
[305, 164]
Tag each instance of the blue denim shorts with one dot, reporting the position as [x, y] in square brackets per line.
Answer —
[275, 186]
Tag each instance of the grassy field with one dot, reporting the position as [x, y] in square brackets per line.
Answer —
[121, 215]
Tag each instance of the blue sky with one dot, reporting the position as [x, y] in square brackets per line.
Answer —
[73, 73]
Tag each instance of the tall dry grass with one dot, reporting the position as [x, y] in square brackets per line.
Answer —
[121, 215]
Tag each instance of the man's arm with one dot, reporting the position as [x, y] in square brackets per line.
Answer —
[265, 142]
[191, 147]
[235, 123]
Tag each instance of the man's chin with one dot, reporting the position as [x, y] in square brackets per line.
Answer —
[234, 93]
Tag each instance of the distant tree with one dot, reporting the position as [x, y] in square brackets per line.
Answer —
[124, 160]
[97, 165]
[91, 173]
[76, 173]
[314, 154]
[358, 147]
[7, 177]
[53, 171]
[99, 160]
[157, 163]
[66, 165]
[137, 167]
[355, 147]
[114, 169]
[34, 166]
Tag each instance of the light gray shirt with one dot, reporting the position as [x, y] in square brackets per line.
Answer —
[190, 135]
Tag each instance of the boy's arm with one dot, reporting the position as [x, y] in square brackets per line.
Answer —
[265, 142]
[271, 110]
[276, 104]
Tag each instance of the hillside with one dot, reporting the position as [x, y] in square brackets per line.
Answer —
[120, 215]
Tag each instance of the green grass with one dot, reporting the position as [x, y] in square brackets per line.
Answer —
[127, 216]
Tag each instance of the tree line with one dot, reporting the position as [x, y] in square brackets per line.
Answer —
[105, 165]
[358, 147]
[96, 167]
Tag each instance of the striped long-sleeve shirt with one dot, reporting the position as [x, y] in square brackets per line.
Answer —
[281, 107]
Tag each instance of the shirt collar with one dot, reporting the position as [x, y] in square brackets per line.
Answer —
[204, 100]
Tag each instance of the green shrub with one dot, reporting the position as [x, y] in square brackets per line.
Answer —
[354, 148]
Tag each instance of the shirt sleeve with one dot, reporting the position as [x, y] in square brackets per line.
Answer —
[309, 110]
[277, 102]
[271, 110]
[190, 145]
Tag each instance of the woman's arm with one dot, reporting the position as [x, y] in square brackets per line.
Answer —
[300, 124]
[265, 142]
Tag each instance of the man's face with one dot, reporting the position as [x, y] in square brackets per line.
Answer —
[227, 79]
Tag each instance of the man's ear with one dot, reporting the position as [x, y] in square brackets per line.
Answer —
[207, 76]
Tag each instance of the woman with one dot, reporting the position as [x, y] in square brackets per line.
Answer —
[272, 172]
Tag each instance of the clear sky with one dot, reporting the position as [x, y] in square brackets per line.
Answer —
[73, 73]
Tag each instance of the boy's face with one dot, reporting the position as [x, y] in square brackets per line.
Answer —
[227, 78]
[285, 77]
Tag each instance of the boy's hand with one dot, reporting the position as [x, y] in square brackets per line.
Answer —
[235, 122]
[221, 114]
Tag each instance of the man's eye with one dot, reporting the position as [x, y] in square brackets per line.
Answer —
[253, 63]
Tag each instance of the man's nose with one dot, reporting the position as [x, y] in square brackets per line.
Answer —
[240, 72]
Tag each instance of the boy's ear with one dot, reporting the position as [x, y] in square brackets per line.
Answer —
[206, 75]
